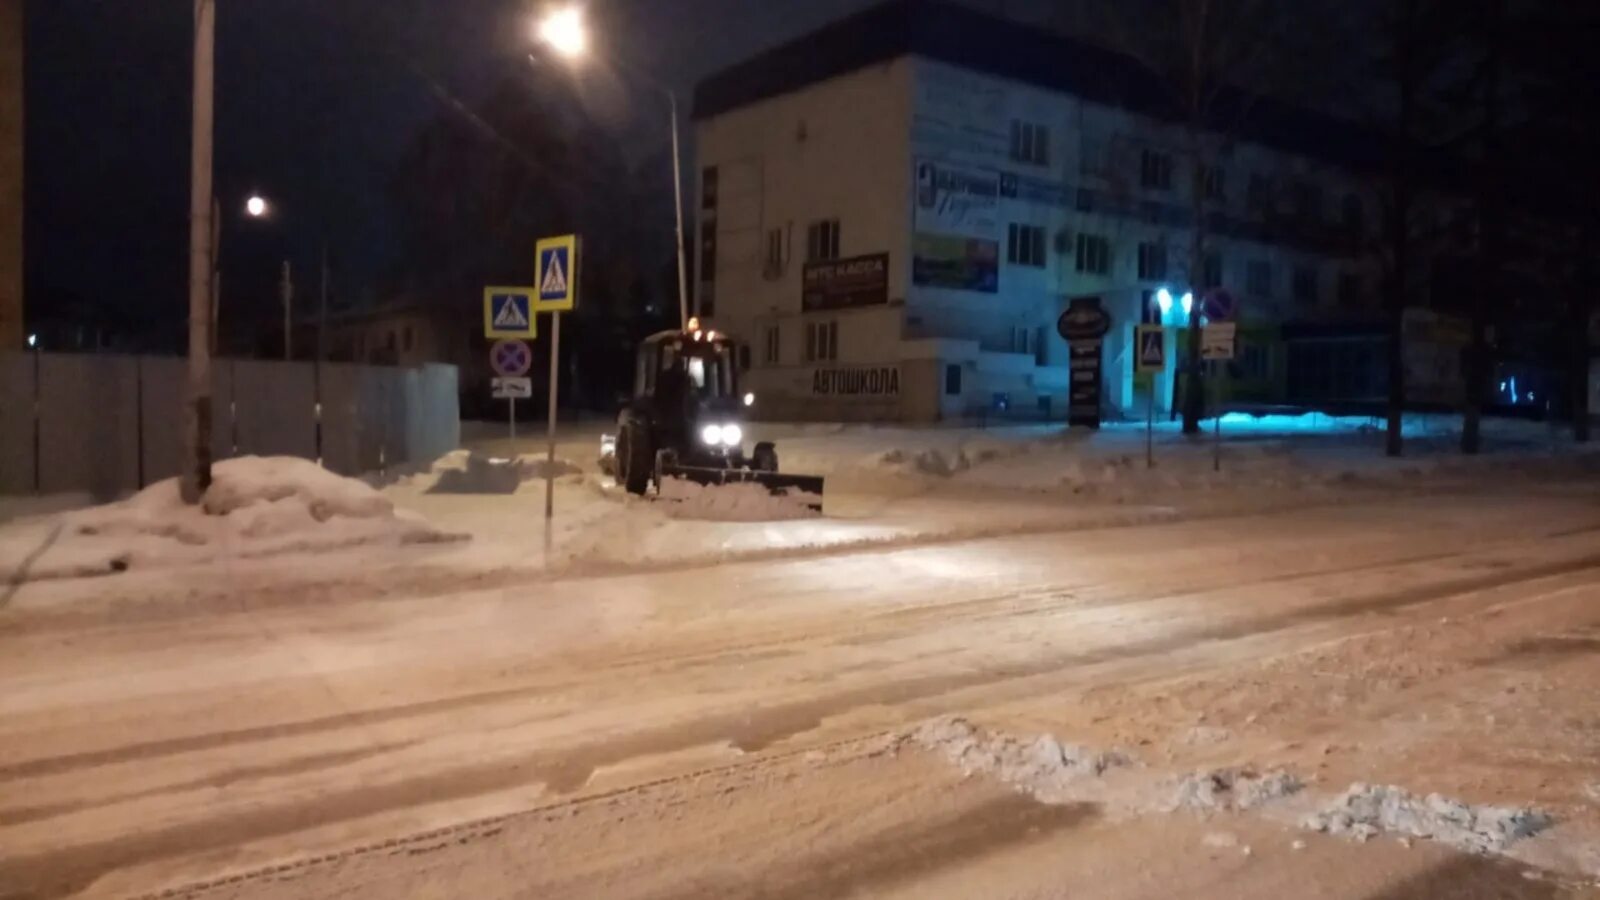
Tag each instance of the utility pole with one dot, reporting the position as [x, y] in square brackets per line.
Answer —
[677, 196]
[287, 285]
[197, 419]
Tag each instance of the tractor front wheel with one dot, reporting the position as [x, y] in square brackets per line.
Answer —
[635, 460]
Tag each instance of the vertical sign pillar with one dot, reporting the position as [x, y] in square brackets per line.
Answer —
[556, 268]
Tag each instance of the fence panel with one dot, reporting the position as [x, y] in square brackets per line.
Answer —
[16, 423]
[274, 408]
[161, 396]
[88, 424]
[433, 427]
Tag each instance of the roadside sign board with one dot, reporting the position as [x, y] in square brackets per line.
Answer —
[510, 358]
[513, 388]
[1219, 305]
[1152, 345]
[1083, 320]
[508, 313]
[1217, 340]
[557, 273]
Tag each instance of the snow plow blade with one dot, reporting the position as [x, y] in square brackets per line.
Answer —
[804, 488]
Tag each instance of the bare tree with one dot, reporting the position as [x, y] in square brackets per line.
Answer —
[1206, 53]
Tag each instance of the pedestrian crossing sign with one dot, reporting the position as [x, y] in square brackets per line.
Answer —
[557, 273]
[1151, 345]
[508, 313]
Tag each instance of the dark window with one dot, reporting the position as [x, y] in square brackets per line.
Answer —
[1260, 278]
[1155, 170]
[1260, 192]
[1213, 271]
[1353, 215]
[774, 347]
[822, 240]
[1305, 283]
[822, 341]
[1025, 245]
[952, 381]
[1350, 289]
[1094, 254]
[1308, 202]
[708, 188]
[1216, 182]
[1030, 143]
[1152, 262]
[774, 264]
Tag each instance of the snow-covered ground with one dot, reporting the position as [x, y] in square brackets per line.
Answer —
[1005, 663]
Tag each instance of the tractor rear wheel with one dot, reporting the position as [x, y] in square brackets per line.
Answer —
[635, 459]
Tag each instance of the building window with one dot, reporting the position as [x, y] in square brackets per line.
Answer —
[774, 263]
[1308, 202]
[1305, 283]
[772, 354]
[1152, 262]
[1353, 215]
[1030, 143]
[1094, 254]
[1155, 171]
[1091, 156]
[1260, 278]
[1025, 246]
[822, 341]
[1216, 183]
[952, 381]
[1259, 194]
[1350, 290]
[1212, 272]
[822, 240]
[1022, 340]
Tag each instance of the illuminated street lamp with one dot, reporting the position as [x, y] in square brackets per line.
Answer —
[256, 207]
[564, 31]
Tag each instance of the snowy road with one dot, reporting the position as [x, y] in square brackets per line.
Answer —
[723, 731]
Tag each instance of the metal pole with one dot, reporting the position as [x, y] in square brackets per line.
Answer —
[288, 310]
[322, 348]
[216, 273]
[1216, 420]
[511, 412]
[550, 429]
[677, 195]
[1150, 427]
[197, 421]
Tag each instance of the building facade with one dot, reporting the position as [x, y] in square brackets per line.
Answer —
[11, 175]
[894, 212]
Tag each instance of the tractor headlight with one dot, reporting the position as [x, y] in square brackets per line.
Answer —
[711, 434]
[732, 435]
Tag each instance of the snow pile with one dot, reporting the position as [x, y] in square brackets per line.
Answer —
[932, 461]
[744, 502]
[1232, 790]
[256, 506]
[1041, 766]
[1366, 810]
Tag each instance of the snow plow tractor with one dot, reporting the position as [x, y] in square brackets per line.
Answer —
[686, 421]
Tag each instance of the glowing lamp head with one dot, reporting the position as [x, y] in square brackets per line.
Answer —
[1188, 303]
[256, 206]
[563, 31]
[1164, 300]
[749, 399]
[694, 324]
[711, 434]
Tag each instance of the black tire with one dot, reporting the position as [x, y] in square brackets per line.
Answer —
[765, 458]
[635, 460]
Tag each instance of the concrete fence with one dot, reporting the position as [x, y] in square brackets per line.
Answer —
[107, 424]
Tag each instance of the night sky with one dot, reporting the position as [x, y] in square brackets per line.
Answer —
[316, 99]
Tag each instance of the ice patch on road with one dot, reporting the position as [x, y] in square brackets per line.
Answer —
[1233, 790]
[746, 502]
[1364, 811]
[1040, 766]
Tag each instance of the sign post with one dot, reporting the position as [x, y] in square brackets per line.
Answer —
[508, 320]
[1151, 341]
[1217, 342]
[557, 277]
[511, 360]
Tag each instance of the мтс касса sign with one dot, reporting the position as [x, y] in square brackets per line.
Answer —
[870, 381]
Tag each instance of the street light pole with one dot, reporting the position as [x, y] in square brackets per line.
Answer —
[288, 313]
[197, 418]
[677, 196]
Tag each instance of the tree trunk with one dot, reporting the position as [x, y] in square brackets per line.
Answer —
[1491, 230]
